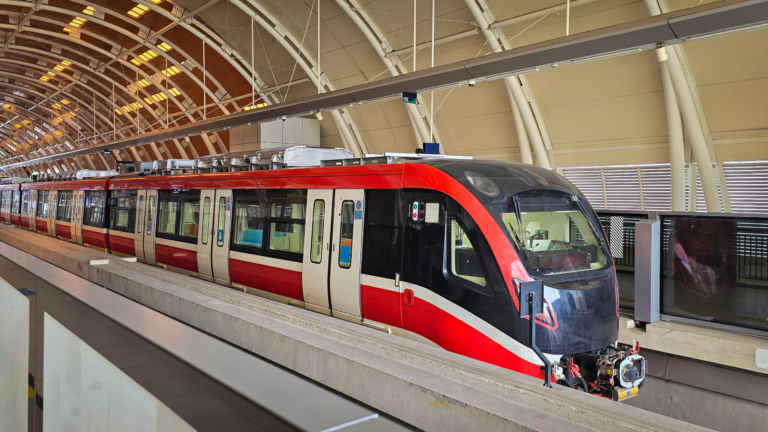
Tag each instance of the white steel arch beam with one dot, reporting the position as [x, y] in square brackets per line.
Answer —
[395, 66]
[515, 89]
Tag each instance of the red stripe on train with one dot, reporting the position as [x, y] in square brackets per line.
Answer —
[381, 305]
[16, 220]
[42, 226]
[176, 257]
[25, 222]
[267, 278]
[64, 231]
[97, 239]
[123, 245]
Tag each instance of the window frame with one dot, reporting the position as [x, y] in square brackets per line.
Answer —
[115, 209]
[188, 195]
[486, 289]
[102, 223]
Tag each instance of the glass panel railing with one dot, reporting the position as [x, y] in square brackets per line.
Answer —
[620, 229]
[715, 268]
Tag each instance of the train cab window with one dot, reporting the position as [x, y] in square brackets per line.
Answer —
[345, 233]
[95, 208]
[25, 201]
[64, 210]
[206, 220]
[123, 211]
[16, 201]
[42, 203]
[462, 261]
[222, 219]
[286, 231]
[318, 224]
[140, 214]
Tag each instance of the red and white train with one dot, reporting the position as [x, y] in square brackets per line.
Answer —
[433, 249]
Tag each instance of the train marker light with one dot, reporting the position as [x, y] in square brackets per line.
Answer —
[409, 98]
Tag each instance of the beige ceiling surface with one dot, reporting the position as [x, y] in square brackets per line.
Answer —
[604, 112]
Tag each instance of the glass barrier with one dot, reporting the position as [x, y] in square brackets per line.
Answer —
[715, 268]
[620, 230]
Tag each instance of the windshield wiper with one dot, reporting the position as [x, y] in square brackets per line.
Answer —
[516, 203]
[514, 236]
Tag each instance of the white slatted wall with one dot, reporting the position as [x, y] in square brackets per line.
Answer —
[647, 187]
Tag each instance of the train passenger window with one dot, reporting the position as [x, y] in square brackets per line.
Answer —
[123, 213]
[345, 233]
[318, 224]
[249, 222]
[25, 202]
[383, 245]
[206, 219]
[190, 216]
[150, 212]
[462, 260]
[95, 208]
[286, 231]
[222, 220]
[141, 213]
[64, 210]
[16, 201]
[166, 223]
[42, 204]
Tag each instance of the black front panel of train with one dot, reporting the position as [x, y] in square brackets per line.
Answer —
[451, 257]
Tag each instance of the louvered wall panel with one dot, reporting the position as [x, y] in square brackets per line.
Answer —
[590, 183]
[747, 186]
[622, 188]
[657, 185]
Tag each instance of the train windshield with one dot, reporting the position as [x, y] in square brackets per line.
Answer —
[554, 233]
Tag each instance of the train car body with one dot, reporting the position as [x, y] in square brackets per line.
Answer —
[434, 250]
[9, 203]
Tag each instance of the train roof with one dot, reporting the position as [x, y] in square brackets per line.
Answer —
[99, 183]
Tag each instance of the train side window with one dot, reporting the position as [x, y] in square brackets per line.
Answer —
[249, 222]
[25, 202]
[140, 213]
[206, 219]
[16, 200]
[222, 220]
[95, 208]
[345, 233]
[150, 210]
[462, 261]
[286, 231]
[123, 212]
[318, 225]
[42, 204]
[167, 209]
[64, 210]
[190, 216]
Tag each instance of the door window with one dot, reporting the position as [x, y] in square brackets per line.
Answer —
[123, 212]
[166, 223]
[190, 216]
[25, 202]
[222, 220]
[345, 233]
[318, 224]
[206, 219]
[64, 210]
[95, 208]
[42, 204]
[249, 223]
[150, 211]
[141, 213]
[286, 233]
[462, 261]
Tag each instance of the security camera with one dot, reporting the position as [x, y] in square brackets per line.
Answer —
[285, 118]
[471, 83]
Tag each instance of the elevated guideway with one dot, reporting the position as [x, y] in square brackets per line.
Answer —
[421, 385]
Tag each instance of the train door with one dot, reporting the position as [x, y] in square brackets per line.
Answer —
[150, 217]
[205, 231]
[138, 235]
[316, 263]
[346, 251]
[53, 199]
[222, 218]
[32, 210]
[78, 200]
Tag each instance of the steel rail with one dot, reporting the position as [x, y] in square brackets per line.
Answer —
[647, 33]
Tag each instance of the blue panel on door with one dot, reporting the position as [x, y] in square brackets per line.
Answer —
[345, 255]
[221, 235]
[358, 214]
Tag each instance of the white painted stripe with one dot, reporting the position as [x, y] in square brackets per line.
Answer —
[176, 244]
[64, 223]
[121, 234]
[379, 282]
[267, 261]
[472, 320]
[93, 229]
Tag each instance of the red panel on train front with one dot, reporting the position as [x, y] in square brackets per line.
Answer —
[381, 305]
[98, 239]
[64, 231]
[176, 257]
[267, 278]
[123, 245]
[42, 226]
[457, 336]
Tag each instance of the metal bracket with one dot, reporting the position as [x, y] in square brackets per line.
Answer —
[532, 303]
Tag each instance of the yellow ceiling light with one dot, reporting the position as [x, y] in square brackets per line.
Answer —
[171, 71]
[78, 22]
[89, 10]
[57, 106]
[6, 106]
[58, 133]
[45, 78]
[143, 83]
[148, 55]
[127, 108]
[165, 47]
[174, 91]
[66, 63]
[159, 97]
[65, 102]
[248, 108]
[17, 126]
[58, 68]
[137, 11]
[51, 74]
[148, 101]
[136, 61]
[117, 111]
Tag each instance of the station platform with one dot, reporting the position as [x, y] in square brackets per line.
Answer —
[422, 386]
